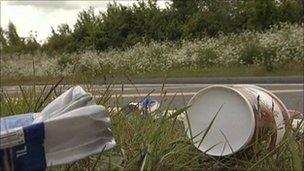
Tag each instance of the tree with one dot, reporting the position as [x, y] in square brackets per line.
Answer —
[14, 43]
[291, 10]
[261, 14]
[3, 41]
[85, 29]
[124, 26]
[185, 9]
[60, 41]
[31, 44]
[12, 36]
[117, 24]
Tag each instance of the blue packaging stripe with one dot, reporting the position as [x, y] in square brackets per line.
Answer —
[29, 156]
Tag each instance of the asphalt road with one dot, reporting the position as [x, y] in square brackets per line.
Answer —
[177, 95]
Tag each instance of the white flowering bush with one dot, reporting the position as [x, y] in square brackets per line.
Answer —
[280, 45]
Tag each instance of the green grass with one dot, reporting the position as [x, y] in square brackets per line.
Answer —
[158, 143]
[236, 71]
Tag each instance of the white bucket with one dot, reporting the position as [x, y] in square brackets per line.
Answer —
[239, 113]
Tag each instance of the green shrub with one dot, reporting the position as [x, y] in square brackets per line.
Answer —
[64, 60]
[206, 57]
[254, 54]
[251, 53]
[280, 46]
[268, 57]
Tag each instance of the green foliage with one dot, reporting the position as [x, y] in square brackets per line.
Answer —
[64, 60]
[268, 58]
[260, 14]
[158, 142]
[61, 41]
[86, 29]
[116, 33]
[31, 45]
[3, 42]
[185, 9]
[13, 38]
[251, 53]
[273, 49]
[12, 43]
[124, 26]
[207, 57]
[291, 10]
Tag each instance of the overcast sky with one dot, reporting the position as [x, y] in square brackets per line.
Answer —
[41, 15]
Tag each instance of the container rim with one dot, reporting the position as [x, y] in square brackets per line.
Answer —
[252, 117]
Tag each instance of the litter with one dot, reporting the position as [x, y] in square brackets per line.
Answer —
[70, 128]
[227, 119]
[147, 105]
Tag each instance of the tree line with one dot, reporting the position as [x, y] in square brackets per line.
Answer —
[122, 27]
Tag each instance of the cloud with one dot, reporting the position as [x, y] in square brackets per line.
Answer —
[70, 5]
[40, 16]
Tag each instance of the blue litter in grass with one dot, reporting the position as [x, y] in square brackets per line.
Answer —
[21, 146]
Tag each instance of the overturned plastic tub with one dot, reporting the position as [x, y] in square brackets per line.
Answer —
[223, 120]
[70, 128]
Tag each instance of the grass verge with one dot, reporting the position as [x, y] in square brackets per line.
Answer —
[237, 71]
[158, 142]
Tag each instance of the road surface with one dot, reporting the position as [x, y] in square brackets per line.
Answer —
[292, 95]
[177, 95]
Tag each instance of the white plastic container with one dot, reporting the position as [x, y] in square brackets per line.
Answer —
[241, 113]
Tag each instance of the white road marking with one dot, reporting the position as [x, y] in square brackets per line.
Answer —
[287, 91]
[127, 87]
[144, 94]
[188, 93]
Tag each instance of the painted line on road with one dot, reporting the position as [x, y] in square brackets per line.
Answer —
[152, 94]
[287, 91]
[185, 93]
[189, 93]
[144, 86]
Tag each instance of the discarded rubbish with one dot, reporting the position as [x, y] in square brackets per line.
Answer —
[224, 120]
[70, 128]
[148, 105]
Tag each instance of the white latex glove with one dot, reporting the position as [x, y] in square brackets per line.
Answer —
[72, 99]
[76, 134]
